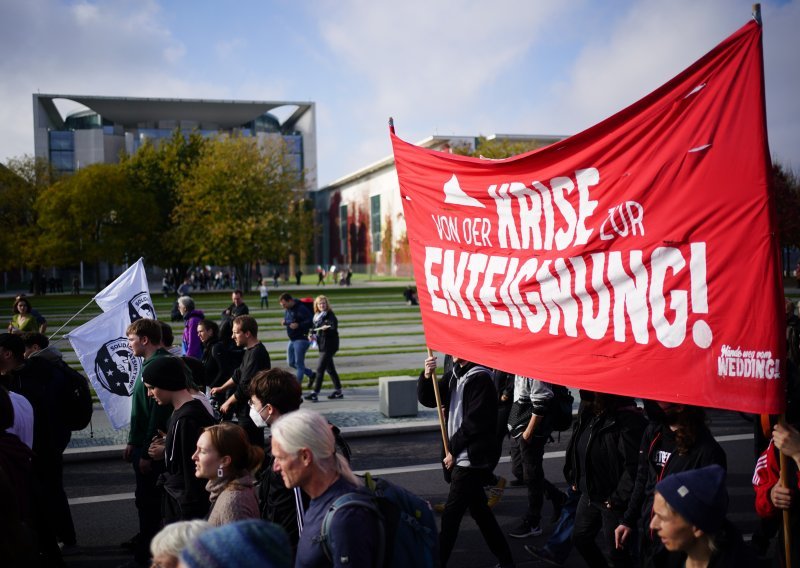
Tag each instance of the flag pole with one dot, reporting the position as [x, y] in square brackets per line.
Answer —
[439, 412]
[784, 465]
[787, 534]
[391, 125]
[70, 319]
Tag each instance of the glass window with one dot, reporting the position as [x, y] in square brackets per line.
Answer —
[63, 160]
[375, 222]
[62, 140]
[294, 144]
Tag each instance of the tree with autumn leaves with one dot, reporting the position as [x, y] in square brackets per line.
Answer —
[241, 202]
[187, 201]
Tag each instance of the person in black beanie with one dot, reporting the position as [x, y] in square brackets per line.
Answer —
[184, 496]
[689, 516]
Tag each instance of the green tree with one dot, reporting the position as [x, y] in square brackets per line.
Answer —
[22, 180]
[95, 215]
[157, 171]
[240, 203]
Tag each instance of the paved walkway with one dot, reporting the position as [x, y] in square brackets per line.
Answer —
[357, 414]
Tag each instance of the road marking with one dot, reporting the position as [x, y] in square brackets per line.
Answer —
[101, 498]
[378, 472]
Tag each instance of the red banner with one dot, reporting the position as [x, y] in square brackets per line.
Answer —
[638, 257]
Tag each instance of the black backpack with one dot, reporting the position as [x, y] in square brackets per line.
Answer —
[407, 534]
[561, 409]
[77, 407]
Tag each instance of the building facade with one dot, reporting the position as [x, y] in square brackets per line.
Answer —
[108, 126]
[360, 216]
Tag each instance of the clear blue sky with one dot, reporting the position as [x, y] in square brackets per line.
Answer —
[437, 67]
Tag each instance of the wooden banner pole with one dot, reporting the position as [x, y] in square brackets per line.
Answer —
[439, 412]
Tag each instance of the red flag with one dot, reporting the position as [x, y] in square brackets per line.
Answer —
[638, 257]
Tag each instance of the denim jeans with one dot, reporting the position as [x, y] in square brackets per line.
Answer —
[296, 357]
[560, 541]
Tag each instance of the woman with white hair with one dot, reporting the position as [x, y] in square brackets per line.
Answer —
[167, 545]
[192, 345]
[305, 455]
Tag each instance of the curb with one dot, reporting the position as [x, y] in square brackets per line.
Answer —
[103, 453]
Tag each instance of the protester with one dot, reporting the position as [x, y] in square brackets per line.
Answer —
[228, 461]
[243, 544]
[304, 450]
[22, 319]
[297, 320]
[557, 548]
[145, 340]
[689, 517]
[602, 460]
[676, 439]
[274, 393]
[236, 309]
[532, 401]
[504, 385]
[18, 545]
[469, 395]
[208, 332]
[326, 328]
[191, 344]
[170, 541]
[45, 388]
[220, 358]
[196, 373]
[184, 495]
[772, 496]
[255, 359]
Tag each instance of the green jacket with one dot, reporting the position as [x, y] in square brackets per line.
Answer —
[147, 416]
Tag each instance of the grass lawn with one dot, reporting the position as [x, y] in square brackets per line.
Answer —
[369, 318]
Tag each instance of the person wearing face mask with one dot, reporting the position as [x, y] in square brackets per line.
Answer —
[676, 439]
[274, 393]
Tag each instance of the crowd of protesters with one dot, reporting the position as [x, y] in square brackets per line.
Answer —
[229, 471]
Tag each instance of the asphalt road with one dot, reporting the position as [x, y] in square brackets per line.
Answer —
[102, 502]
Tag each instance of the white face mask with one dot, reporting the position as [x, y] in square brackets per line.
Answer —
[255, 416]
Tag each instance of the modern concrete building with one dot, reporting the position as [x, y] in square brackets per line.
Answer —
[360, 216]
[107, 126]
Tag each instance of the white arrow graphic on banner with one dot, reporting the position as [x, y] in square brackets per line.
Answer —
[454, 195]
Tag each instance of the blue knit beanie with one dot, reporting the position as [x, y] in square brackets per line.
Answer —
[244, 544]
[698, 495]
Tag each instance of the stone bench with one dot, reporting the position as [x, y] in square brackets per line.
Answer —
[397, 396]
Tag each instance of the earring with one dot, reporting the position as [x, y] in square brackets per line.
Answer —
[220, 471]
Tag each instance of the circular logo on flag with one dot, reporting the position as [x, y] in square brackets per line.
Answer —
[139, 307]
[116, 367]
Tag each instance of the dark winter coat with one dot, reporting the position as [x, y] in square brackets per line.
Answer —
[328, 339]
[477, 428]
[612, 454]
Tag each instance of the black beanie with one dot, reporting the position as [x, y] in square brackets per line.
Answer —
[698, 495]
[165, 373]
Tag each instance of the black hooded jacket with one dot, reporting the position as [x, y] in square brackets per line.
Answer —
[612, 454]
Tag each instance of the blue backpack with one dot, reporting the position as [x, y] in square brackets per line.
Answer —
[407, 534]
